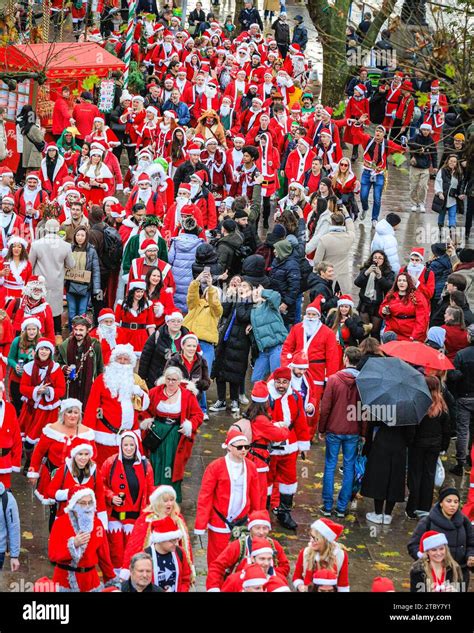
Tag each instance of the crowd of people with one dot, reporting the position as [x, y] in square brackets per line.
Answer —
[203, 232]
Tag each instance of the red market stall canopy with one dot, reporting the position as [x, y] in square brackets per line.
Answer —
[65, 60]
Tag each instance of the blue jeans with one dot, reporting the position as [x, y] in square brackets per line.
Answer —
[76, 305]
[266, 362]
[208, 351]
[298, 308]
[349, 452]
[365, 185]
[451, 216]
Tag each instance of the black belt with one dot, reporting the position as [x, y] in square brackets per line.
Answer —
[319, 360]
[49, 465]
[106, 423]
[77, 570]
[231, 524]
[264, 459]
[133, 326]
[404, 316]
[121, 516]
[168, 421]
[4, 451]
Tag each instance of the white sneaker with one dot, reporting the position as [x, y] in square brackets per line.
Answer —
[374, 223]
[234, 406]
[414, 207]
[243, 399]
[205, 417]
[387, 519]
[374, 518]
[422, 208]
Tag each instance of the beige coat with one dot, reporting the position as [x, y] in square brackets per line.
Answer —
[336, 247]
[31, 158]
[49, 257]
[272, 5]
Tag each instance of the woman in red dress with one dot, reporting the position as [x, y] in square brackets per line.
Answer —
[42, 386]
[15, 269]
[101, 133]
[164, 132]
[268, 165]
[95, 180]
[160, 297]
[128, 483]
[405, 310]
[53, 170]
[135, 316]
[346, 185]
[148, 131]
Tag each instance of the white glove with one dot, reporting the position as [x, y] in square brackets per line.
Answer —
[146, 424]
[137, 390]
[187, 428]
[283, 425]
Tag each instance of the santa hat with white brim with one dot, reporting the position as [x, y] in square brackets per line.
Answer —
[77, 496]
[70, 403]
[30, 321]
[124, 350]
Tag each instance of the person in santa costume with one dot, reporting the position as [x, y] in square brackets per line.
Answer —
[15, 269]
[263, 432]
[50, 452]
[175, 151]
[28, 201]
[53, 170]
[133, 119]
[301, 383]
[78, 544]
[182, 206]
[213, 158]
[260, 560]
[6, 181]
[208, 100]
[134, 315]
[107, 333]
[247, 174]
[320, 345]
[328, 150]
[233, 160]
[345, 185]
[393, 98]
[436, 571]
[268, 165]
[423, 278]
[101, 133]
[299, 161]
[171, 570]
[143, 192]
[128, 483]
[32, 304]
[285, 85]
[164, 132]
[434, 111]
[239, 553]
[324, 581]
[162, 504]
[201, 195]
[95, 179]
[149, 229]
[287, 411]
[42, 386]
[160, 296]
[249, 117]
[356, 115]
[322, 553]
[404, 111]
[116, 399]
[237, 87]
[229, 492]
[141, 266]
[10, 223]
[10, 440]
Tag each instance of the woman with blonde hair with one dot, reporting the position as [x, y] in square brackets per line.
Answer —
[346, 324]
[322, 552]
[101, 133]
[162, 504]
[95, 180]
[436, 570]
[345, 186]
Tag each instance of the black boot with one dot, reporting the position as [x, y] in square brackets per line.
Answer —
[28, 454]
[457, 470]
[269, 502]
[355, 153]
[283, 512]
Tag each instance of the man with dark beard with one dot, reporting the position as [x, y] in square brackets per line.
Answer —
[115, 399]
[81, 359]
[78, 543]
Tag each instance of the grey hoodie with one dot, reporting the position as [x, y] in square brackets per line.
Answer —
[10, 531]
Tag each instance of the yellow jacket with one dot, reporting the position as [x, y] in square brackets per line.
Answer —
[204, 313]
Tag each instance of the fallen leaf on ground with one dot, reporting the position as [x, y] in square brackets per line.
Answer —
[384, 567]
[27, 535]
[351, 518]
[390, 554]
[361, 546]
[319, 475]
[206, 436]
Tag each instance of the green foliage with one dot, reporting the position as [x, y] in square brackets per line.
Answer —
[89, 82]
[136, 82]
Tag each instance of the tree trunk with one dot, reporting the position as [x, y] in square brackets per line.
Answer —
[239, 5]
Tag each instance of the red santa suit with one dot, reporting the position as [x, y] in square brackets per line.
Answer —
[49, 454]
[121, 519]
[296, 165]
[42, 311]
[304, 576]
[107, 414]
[16, 278]
[233, 160]
[133, 120]
[204, 103]
[406, 107]
[423, 278]
[225, 492]
[66, 557]
[60, 172]
[246, 121]
[152, 200]
[394, 95]
[408, 317]
[31, 201]
[354, 110]
[245, 183]
[138, 270]
[215, 164]
[103, 176]
[134, 325]
[163, 305]
[107, 343]
[10, 443]
[236, 89]
[330, 154]
[434, 111]
[174, 214]
[105, 137]
[268, 165]
[40, 409]
[280, 128]
[12, 225]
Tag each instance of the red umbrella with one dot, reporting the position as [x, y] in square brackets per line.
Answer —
[417, 353]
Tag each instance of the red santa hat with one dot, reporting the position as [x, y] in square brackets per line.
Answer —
[182, 70]
[143, 177]
[6, 171]
[106, 313]
[239, 138]
[435, 84]
[124, 350]
[408, 86]
[75, 494]
[426, 126]
[345, 300]
[253, 576]
[78, 445]
[282, 373]
[261, 546]
[133, 435]
[96, 152]
[8, 199]
[32, 174]
[325, 132]
[419, 252]
[200, 175]
[73, 192]
[117, 211]
[170, 114]
[326, 577]
[295, 107]
[260, 392]
[160, 491]
[152, 109]
[176, 314]
[259, 517]
[328, 111]
[70, 403]
[164, 530]
[276, 584]
[148, 245]
[44, 342]
[51, 146]
[16, 239]
[299, 360]
[185, 186]
[295, 48]
[234, 435]
[315, 305]
[137, 284]
[430, 540]
[360, 88]
[138, 98]
[193, 149]
[382, 585]
[327, 528]
[305, 141]
[30, 321]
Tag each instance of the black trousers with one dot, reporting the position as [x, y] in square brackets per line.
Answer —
[421, 476]
[469, 214]
[233, 388]
[15, 396]
[283, 48]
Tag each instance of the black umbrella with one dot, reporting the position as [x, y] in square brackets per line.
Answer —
[393, 392]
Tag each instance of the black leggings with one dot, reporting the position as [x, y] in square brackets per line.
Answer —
[15, 396]
[378, 505]
[58, 328]
[222, 388]
[266, 208]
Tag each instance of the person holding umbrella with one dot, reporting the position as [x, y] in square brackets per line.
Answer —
[405, 310]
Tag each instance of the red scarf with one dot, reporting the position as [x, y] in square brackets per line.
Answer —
[41, 364]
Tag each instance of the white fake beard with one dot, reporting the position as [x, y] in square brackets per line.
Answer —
[224, 111]
[180, 202]
[108, 333]
[310, 326]
[163, 127]
[298, 65]
[119, 380]
[5, 219]
[200, 90]
[415, 271]
[210, 93]
[167, 47]
[194, 190]
[240, 86]
[144, 194]
[85, 518]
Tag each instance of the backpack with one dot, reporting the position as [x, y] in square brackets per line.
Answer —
[113, 249]
[240, 253]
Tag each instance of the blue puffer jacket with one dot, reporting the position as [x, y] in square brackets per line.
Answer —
[441, 267]
[267, 323]
[181, 256]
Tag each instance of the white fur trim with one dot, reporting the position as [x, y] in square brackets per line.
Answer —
[436, 540]
[77, 496]
[46, 344]
[61, 494]
[103, 518]
[343, 589]
[70, 403]
[297, 582]
[325, 581]
[107, 439]
[288, 489]
[260, 522]
[324, 530]
[160, 537]
[304, 446]
[81, 447]
[161, 490]
[199, 532]
[32, 475]
[262, 550]
[255, 582]
[187, 428]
